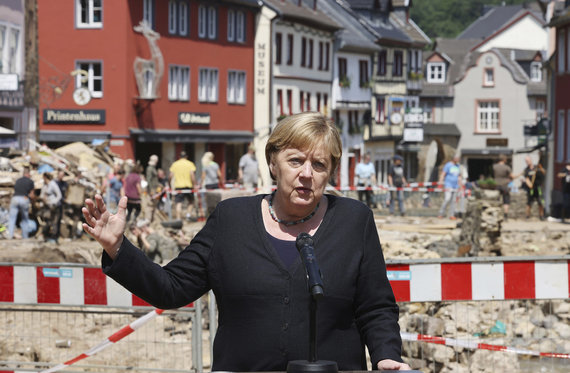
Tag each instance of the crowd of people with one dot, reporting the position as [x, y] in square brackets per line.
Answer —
[36, 211]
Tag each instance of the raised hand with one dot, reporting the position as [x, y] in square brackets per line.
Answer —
[104, 227]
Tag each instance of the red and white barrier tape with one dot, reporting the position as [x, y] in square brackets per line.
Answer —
[474, 345]
[122, 333]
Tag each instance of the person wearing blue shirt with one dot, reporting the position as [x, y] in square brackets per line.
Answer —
[450, 177]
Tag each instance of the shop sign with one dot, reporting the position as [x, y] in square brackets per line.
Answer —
[63, 116]
[413, 133]
[8, 82]
[193, 119]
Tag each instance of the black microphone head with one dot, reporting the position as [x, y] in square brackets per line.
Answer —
[303, 239]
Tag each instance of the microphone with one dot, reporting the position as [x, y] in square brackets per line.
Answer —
[304, 243]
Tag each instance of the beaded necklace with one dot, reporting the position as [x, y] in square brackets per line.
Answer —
[289, 223]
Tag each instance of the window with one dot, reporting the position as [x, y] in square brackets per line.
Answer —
[363, 73]
[561, 52]
[310, 55]
[308, 102]
[207, 22]
[290, 49]
[148, 12]
[92, 79]
[560, 136]
[535, 71]
[436, 72]
[380, 110]
[280, 102]
[489, 77]
[327, 56]
[540, 108]
[325, 104]
[320, 67]
[236, 87]
[353, 127]
[236, 26]
[488, 116]
[178, 17]
[278, 42]
[290, 101]
[342, 77]
[318, 102]
[397, 66]
[303, 51]
[302, 101]
[208, 85]
[381, 68]
[178, 83]
[9, 49]
[88, 14]
[414, 61]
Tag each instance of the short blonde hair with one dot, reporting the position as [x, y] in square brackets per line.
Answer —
[305, 131]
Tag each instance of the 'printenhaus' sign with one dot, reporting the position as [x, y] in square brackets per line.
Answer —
[74, 116]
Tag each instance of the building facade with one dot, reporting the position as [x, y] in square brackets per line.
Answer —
[149, 77]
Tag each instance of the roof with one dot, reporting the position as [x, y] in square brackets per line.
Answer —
[251, 3]
[456, 52]
[369, 4]
[304, 13]
[414, 32]
[352, 37]
[498, 17]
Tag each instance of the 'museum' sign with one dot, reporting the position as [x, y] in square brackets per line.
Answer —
[74, 116]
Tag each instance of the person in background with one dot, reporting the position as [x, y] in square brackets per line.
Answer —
[503, 175]
[156, 246]
[116, 190]
[20, 204]
[183, 178]
[133, 191]
[533, 178]
[211, 174]
[51, 196]
[451, 179]
[63, 186]
[248, 170]
[152, 175]
[263, 313]
[564, 174]
[365, 178]
[396, 179]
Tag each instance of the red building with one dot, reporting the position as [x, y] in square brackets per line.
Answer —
[185, 82]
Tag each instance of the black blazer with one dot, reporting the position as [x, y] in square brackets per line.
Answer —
[263, 306]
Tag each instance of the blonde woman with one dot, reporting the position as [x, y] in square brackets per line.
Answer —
[211, 174]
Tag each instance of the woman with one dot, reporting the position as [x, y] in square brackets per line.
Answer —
[211, 174]
[51, 196]
[246, 254]
[133, 190]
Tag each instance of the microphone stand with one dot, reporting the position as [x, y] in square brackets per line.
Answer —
[313, 365]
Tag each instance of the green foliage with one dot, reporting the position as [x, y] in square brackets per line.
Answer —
[344, 82]
[448, 18]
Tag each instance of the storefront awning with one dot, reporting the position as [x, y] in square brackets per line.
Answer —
[441, 129]
[487, 151]
[184, 136]
[73, 136]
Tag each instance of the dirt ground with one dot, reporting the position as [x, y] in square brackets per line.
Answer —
[401, 237]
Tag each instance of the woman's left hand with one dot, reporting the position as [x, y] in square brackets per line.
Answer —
[388, 364]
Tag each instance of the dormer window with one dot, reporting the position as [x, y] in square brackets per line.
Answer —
[536, 72]
[489, 77]
[436, 72]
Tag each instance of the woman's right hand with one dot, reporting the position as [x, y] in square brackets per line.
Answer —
[106, 228]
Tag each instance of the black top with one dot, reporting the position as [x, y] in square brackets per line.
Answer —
[397, 173]
[263, 306]
[566, 181]
[23, 186]
[286, 250]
